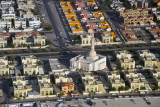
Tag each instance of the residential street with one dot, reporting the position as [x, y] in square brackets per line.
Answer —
[59, 30]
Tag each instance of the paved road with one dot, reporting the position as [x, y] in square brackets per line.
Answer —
[68, 98]
[55, 21]
[84, 50]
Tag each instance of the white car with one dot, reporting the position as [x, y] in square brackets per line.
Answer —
[59, 99]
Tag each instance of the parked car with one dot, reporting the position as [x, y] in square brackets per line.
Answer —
[105, 102]
[149, 103]
[89, 102]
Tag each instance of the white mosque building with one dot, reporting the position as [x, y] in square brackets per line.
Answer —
[90, 62]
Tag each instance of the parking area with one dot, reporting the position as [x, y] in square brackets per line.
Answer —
[118, 102]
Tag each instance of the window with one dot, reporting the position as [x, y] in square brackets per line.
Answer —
[24, 93]
[42, 92]
[50, 91]
[96, 89]
[87, 89]
[16, 95]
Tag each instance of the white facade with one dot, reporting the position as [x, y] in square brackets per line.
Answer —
[91, 62]
[34, 22]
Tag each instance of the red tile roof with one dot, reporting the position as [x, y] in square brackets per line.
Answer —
[129, 32]
[67, 84]
[92, 27]
[131, 39]
[35, 33]
[157, 38]
[6, 34]
[85, 16]
[89, 24]
[19, 33]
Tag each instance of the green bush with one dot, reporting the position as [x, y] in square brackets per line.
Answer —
[122, 88]
[48, 42]
[113, 89]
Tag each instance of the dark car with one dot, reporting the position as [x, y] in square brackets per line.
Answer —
[149, 103]
[89, 102]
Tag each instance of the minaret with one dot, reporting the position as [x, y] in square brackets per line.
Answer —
[92, 52]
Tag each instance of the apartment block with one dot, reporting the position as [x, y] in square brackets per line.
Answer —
[125, 60]
[26, 14]
[133, 80]
[4, 69]
[139, 21]
[134, 12]
[19, 41]
[20, 23]
[7, 9]
[21, 86]
[28, 59]
[138, 17]
[91, 84]
[30, 69]
[115, 80]
[3, 42]
[39, 39]
[104, 39]
[61, 77]
[156, 76]
[34, 22]
[136, 83]
[45, 85]
[148, 58]
[130, 74]
[5, 23]
[29, 65]
[26, 5]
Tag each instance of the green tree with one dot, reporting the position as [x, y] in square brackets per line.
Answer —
[81, 70]
[157, 88]
[61, 94]
[48, 42]
[11, 45]
[142, 88]
[113, 89]
[39, 63]
[26, 74]
[122, 88]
